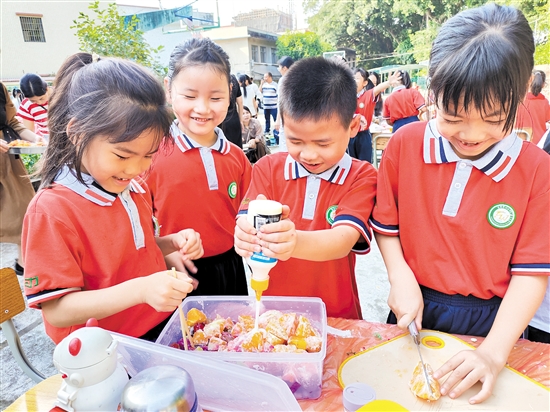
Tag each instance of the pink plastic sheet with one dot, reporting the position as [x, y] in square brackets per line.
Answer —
[530, 358]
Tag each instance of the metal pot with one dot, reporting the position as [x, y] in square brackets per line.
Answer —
[160, 388]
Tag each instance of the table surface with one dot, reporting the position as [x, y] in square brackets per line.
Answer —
[530, 358]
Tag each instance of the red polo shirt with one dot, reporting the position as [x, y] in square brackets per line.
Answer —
[465, 226]
[342, 195]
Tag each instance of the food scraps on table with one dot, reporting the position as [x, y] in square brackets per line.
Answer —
[25, 143]
[277, 332]
[420, 387]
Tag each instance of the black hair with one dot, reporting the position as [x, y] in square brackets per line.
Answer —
[375, 74]
[269, 74]
[15, 91]
[112, 98]
[335, 91]
[33, 85]
[285, 61]
[482, 57]
[365, 75]
[247, 109]
[405, 78]
[243, 79]
[539, 78]
[198, 52]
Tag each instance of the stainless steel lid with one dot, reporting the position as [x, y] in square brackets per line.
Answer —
[160, 388]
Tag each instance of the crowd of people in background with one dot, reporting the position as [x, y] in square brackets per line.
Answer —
[195, 168]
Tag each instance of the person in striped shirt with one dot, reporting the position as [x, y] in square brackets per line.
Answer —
[269, 89]
[33, 110]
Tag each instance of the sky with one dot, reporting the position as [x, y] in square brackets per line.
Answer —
[227, 8]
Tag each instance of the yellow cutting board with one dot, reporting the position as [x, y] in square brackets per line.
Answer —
[388, 369]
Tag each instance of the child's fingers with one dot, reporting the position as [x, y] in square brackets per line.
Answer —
[261, 197]
[245, 226]
[190, 266]
[282, 226]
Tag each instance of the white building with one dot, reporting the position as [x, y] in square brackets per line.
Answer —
[250, 51]
[35, 36]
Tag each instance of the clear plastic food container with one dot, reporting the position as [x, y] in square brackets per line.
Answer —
[219, 386]
[302, 372]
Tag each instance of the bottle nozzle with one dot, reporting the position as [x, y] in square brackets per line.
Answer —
[259, 286]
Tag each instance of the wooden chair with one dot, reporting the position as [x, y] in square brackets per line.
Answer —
[11, 304]
[379, 143]
[524, 134]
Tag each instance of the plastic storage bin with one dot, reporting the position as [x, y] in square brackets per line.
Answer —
[302, 372]
[219, 385]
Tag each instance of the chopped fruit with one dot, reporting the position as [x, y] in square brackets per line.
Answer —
[277, 332]
[304, 329]
[195, 316]
[420, 387]
[199, 338]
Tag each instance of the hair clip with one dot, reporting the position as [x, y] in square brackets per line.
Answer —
[95, 58]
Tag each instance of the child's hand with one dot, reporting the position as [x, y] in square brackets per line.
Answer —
[164, 292]
[177, 260]
[394, 79]
[246, 241]
[405, 299]
[467, 368]
[189, 244]
[278, 240]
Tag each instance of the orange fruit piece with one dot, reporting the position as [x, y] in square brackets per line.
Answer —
[195, 316]
[420, 387]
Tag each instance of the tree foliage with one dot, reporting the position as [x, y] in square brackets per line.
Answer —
[401, 31]
[106, 35]
[300, 45]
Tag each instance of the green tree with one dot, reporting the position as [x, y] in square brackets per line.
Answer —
[300, 45]
[107, 35]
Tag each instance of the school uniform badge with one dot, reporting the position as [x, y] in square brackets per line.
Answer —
[501, 216]
[232, 190]
[329, 214]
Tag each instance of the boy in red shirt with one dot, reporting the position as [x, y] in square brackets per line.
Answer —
[329, 195]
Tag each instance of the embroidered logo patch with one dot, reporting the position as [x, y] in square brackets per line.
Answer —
[329, 215]
[232, 190]
[501, 216]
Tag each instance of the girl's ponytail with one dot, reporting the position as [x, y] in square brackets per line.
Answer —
[539, 78]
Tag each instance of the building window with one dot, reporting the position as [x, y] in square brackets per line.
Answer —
[32, 29]
[262, 54]
[274, 56]
[254, 53]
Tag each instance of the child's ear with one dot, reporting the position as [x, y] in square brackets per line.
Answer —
[355, 125]
[167, 90]
[71, 136]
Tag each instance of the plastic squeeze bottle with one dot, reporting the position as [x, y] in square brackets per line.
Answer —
[262, 212]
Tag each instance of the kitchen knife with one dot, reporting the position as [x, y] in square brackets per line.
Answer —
[416, 339]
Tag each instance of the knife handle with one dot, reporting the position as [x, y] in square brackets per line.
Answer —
[413, 330]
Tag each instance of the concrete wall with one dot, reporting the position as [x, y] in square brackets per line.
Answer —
[18, 57]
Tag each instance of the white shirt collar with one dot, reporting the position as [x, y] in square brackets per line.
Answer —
[185, 143]
[336, 174]
[496, 163]
[397, 88]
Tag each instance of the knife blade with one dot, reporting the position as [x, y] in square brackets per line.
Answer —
[413, 330]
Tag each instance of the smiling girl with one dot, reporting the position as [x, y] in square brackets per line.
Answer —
[202, 180]
[462, 209]
[88, 236]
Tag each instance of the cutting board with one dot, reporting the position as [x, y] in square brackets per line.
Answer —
[388, 369]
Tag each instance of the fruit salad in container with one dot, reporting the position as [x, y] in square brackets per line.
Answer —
[289, 342]
[277, 332]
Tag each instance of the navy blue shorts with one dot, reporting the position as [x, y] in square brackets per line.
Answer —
[458, 314]
[360, 146]
[402, 122]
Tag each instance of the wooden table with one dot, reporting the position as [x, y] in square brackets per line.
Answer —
[530, 358]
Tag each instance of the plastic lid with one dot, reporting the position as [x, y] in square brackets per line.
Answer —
[356, 395]
[381, 406]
